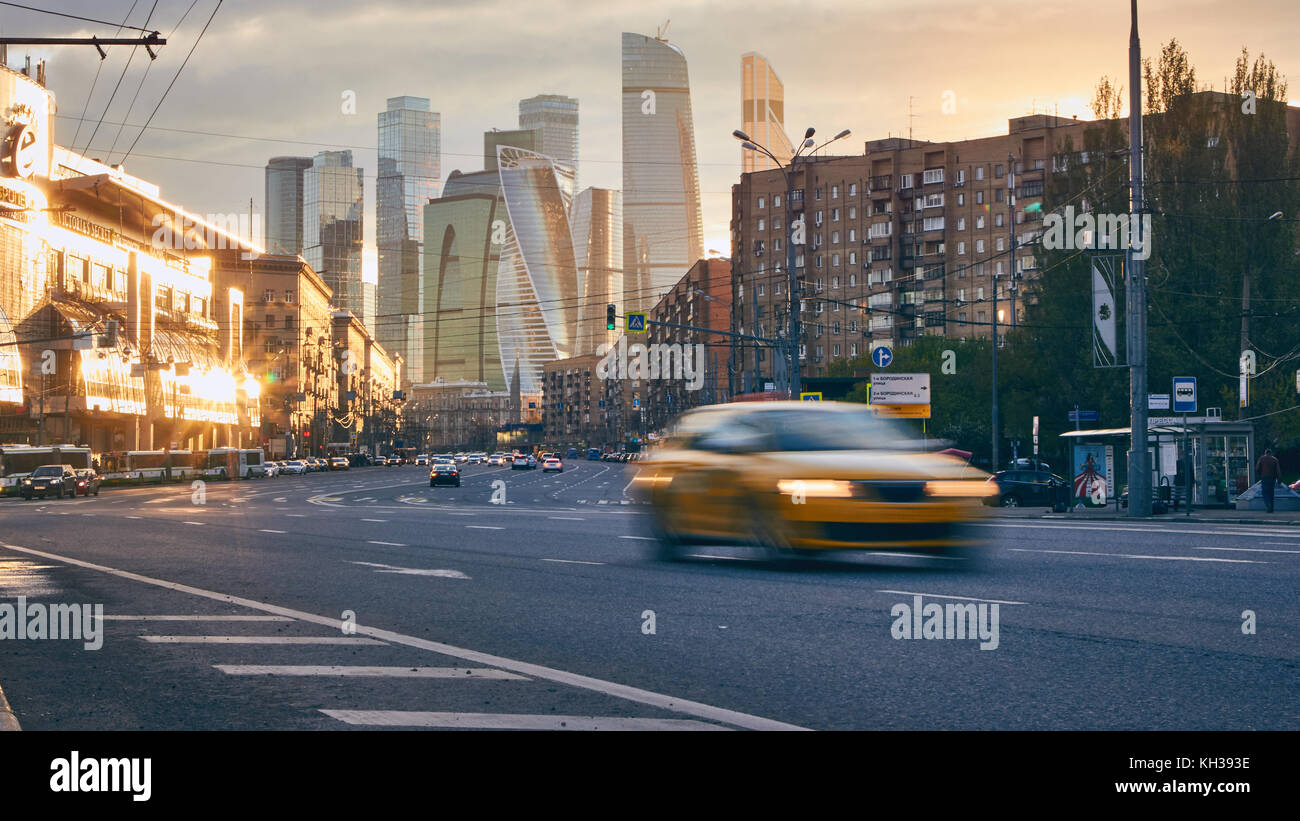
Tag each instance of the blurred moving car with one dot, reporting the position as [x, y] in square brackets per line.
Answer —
[50, 480]
[87, 481]
[790, 476]
[339, 463]
[552, 465]
[444, 473]
[1024, 488]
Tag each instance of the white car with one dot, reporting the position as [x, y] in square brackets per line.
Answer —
[293, 467]
[552, 464]
[422, 459]
[269, 469]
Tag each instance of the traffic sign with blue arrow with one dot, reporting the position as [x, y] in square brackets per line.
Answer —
[881, 355]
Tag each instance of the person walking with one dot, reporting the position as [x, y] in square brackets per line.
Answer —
[1269, 472]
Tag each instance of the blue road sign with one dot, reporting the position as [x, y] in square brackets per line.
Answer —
[636, 403]
[1084, 416]
[1184, 394]
[636, 323]
[882, 356]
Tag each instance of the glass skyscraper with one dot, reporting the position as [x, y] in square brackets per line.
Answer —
[537, 283]
[762, 112]
[332, 236]
[464, 231]
[410, 146]
[598, 247]
[663, 233]
[555, 117]
[284, 204]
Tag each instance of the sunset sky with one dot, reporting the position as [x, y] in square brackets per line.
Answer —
[273, 74]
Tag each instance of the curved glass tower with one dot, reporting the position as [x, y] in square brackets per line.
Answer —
[537, 283]
[663, 232]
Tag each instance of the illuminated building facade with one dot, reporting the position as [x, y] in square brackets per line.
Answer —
[662, 224]
[598, 247]
[85, 247]
[332, 225]
[763, 113]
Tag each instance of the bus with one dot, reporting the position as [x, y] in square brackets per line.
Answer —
[228, 463]
[17, 461]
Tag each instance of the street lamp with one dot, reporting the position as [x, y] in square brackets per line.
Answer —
[787, 169]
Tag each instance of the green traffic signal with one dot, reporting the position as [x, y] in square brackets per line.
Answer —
[611, 321]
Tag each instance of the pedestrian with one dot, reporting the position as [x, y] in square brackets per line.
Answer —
[1268, 471]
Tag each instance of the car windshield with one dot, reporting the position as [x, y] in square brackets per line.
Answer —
[48, 470]
[797, 429]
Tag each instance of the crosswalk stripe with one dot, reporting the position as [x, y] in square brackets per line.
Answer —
[369, 672]
[259, 640]
[511, 721]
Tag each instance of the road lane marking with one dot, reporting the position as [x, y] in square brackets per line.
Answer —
[609, 688]
[511, 721]
[1139, 556]
[374, 520]
[413, 571]
[1247, 549]
[483, 527]
[119, 617]
[640, 538]
[268, 530]
[259, 640]
[367, 672]
[386, 544]
[570, 561]
[567, 518]
[200, 524]
[941, 596]
[1047, 524]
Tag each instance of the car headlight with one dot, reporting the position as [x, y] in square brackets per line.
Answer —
[960, 488]
[817, 488]
[27, 481]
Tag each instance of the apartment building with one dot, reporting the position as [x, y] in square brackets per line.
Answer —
[908, 239]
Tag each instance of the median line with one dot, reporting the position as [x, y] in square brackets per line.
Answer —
[368, 671]
[259, 640]
[511, 721]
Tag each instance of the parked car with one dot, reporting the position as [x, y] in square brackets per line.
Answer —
[1024, 488]
[444, 473]
[50, 480]
[87, 481]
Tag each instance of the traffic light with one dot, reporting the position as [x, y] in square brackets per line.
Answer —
[109, 338]
[611, 321]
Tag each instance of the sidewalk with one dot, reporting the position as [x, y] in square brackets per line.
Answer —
[1109, 513]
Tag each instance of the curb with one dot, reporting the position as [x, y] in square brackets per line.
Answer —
[1169, 518]
[8, 721]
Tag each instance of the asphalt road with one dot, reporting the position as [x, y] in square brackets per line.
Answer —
[235, 614]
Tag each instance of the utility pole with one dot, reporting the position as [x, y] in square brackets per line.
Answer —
[993, 468]
[1139, 479]
[792, 282]
[1011, 234]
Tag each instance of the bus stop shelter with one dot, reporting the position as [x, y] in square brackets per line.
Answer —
[1221, 453]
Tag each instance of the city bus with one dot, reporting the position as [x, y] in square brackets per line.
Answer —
[17, 461]
[228, 463]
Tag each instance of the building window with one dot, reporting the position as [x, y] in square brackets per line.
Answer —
[997, 171]
[961, 198]
[997, 195]
[853, 280]
[853, 257]
[961, 316]
[961, 249]
[762, 202]
[979, 246]
[762, 224]
[979, 172]
[961, 223]
[853, 189]
[288, 296]
[270, 321]
[1001, 244]
[776, 201]
[997, 220]
[835, 261]
[835, 215]
[979, 197]
[979, 221]
[268, 295]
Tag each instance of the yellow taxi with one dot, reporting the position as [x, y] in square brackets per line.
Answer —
[806, 476]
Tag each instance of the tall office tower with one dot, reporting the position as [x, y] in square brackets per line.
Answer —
[283, 222]
[663, 233]
[332, 225]
[556, 117]
[762, 112]
[537, 284]
[410, 148]
[464, 231]
[598, 248]
[529, 139]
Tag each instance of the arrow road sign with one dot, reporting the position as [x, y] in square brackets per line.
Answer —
[900, 388]
[881, 355]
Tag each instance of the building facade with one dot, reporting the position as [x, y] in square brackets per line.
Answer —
[762, 110]
[662, 223]
[455, 415]
[332, 229]
[284, 204]
[573, 410]
[410, 149]
[908, 239]
[367, 417]
[598, 249]
[124, 340]
[554, 118]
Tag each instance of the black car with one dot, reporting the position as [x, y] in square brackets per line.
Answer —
[50, 480]
[1025, 488]
[444, 473]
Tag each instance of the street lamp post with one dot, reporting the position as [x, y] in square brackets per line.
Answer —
[792, 281]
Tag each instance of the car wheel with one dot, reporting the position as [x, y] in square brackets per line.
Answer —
[668, 545]
[59, 493]
[769, 532]
[1011, 500]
